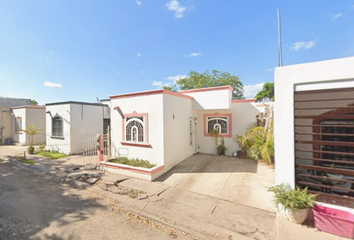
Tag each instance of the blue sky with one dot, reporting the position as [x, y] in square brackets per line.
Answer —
[78, 50]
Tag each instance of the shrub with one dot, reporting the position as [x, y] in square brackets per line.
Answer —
[135, 162]
[291, 198]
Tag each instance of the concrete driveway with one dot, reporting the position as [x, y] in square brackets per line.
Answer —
[11, 150]
[242, 181]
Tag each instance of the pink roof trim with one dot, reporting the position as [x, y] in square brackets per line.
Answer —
[207, 89]
[243, 100]
[30, 106]
[153, 92]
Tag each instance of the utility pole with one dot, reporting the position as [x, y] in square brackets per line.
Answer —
[280, 57]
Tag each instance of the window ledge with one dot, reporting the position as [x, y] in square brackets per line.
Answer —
[220, 135]
[57, 137]
[134, 144]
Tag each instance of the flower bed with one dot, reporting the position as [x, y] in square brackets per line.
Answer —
[148, 174]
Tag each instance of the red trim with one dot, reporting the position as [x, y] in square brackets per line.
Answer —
[116, 108]
[243, 100]
[207, 89]
[146, 145]
[135, 114]
[176, 94]
[262, 105]
[153, 92]
[205, 116]
[129, 168]
[30, 106]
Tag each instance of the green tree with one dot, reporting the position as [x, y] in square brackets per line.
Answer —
[172, 88]
[34, 102]
[211, 79]
[267, 92]
[31, 131]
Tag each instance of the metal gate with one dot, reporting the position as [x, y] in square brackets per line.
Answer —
[90, 150]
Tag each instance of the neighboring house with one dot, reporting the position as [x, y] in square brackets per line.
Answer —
[25, 116]
[314, 127]
[68, 123]
[14, 102]
[166, 127]
[6, 116]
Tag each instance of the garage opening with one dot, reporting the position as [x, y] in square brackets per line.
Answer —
[324, 144]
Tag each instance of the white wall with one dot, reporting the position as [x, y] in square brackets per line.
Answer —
[5, 124]
[55, 143]
[215, 98]
[243, 118]
[19, 137]
[177, 112]
[86, 121]
[36, 116]
[337, 73]
[151, 104]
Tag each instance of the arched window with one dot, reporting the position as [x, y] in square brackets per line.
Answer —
[218, 123]
[57, 126]
[134, 129]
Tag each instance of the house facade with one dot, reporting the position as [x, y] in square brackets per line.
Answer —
[68, 123]
[25, 116]
[314, 128]
[6, 116]
[166, 127]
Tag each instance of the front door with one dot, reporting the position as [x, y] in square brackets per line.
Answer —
[194, 135]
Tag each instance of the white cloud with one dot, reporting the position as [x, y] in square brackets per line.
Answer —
[156, 83]
[138, 2]
[270, 70]
[138, 55]
[193, 54]
[252, 90]
[336, 15]
[50, 53]
[175, 78]
[302, 45]
[50, 84]
[177, 8]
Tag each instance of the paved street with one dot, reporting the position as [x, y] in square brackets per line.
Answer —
[35, 208]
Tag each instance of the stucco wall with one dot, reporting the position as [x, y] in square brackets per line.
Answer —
[19, 137]
[5, 124]
[36, 117]
[213, 98]
[176, 114]
[337, 73]
[153, 106]
[55, 143]
[243, 118]
[86, 121]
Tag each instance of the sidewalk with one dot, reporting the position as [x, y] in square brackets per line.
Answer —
[172, 202]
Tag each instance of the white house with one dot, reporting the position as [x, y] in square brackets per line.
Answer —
[314, 127]
[25, 116]
[6, 117]
[68, 123]
[166, 127]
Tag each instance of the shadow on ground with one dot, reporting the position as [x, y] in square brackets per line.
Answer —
[30, 204]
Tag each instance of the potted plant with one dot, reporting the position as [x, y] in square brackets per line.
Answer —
[221, 149]
[293, 202]
[244, 145]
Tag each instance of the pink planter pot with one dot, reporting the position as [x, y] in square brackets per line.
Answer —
[335, 220]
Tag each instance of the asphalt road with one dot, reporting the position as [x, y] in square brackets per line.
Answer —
[34, 208]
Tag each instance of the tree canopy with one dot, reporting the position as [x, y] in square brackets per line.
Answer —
[266, 93]
[34, 102]
[210, 79]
